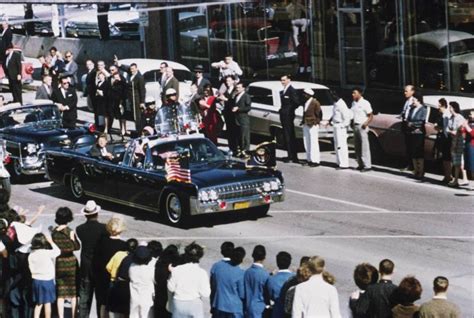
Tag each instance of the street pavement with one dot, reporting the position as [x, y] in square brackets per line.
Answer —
[347, 217]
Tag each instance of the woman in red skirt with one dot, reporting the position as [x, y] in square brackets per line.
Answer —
[210, 116]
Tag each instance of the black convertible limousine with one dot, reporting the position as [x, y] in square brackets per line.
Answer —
[139, 176]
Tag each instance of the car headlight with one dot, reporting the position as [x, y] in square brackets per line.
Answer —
[203, 196]
[275, 185]
[71, 25]
[31, 148]
[266, 187]
[213, 195]
[114, 30]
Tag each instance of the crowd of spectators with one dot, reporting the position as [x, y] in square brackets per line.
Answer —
[142, 279]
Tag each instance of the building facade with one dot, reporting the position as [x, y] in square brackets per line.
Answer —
[374, 44]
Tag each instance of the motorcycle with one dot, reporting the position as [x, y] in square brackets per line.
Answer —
[4, 174]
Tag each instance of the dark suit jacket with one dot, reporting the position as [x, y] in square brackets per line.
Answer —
[311, 115]
[172, 83]
[95, 151]
[14, 65]
[6, 41]
[42, 93]
[244, 105]
[90, 83]
[70, 100]
[231, 101]
[136, 88]
[201, 85]
[289, 100]
[89, 233]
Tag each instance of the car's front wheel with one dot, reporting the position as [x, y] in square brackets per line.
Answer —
[5, 185]
[15, 171]
[75, 187]
[176, 209]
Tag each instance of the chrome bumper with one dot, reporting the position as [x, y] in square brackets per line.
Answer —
[32, 165]
[197, 207]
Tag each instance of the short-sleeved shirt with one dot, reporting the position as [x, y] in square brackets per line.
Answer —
[361, 109]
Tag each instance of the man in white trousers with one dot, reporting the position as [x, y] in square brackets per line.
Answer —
[312, 115]
[340, 120]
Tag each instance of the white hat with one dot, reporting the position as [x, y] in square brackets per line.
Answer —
[308, 91]
[90, 208]
[170, 91]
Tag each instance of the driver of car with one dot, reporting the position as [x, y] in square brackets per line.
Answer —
[100, 149]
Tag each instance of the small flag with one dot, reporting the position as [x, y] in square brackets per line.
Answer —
[177, 168]
[263, 156]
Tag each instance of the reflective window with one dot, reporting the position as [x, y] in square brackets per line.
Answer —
[261, 95]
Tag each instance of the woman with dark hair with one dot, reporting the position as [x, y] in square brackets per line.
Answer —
[365, 275]
[169, 256]
[189, 284]
[142, 283]
[469, 145]
[209, 114]
[415, 125]
[456, 124]
[66, 263]
[408, 291]
[41, 264]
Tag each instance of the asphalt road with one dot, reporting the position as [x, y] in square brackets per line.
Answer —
[347, 217]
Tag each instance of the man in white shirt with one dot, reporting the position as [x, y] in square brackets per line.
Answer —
[362, 111]
[228, 67]
[340, 120]
[315, 297]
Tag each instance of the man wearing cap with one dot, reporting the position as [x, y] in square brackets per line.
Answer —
[90, 233]
[199, 79]
[171, 102]
[171, 82]
[311, 118]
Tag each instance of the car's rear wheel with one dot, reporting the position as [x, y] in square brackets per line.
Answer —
[175, 208]
[75, 187]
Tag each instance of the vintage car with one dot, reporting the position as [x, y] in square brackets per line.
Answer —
[264, 116]
[427, 55]
[27, 70]
[123, 24]
[15, 13]
[150, 69]
[215, 184]
[28, 129]
[385, 130]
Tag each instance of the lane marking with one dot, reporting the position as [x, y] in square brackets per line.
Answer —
[336, 200]
[280, 237]
[367, 212]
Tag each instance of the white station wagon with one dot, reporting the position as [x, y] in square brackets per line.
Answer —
[264, 116]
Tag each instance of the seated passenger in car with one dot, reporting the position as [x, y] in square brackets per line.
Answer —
[101, 149]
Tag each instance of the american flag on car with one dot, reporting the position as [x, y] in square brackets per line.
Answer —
[177, 168]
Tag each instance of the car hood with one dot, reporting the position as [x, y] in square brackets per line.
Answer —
[224, 173]
[38, 135]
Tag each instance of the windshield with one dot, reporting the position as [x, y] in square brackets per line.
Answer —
[201, 151]
[460, 47]
[30, 116]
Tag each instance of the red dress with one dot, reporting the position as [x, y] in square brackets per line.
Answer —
[210, 119]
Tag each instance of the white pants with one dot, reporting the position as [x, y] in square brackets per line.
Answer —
[340, 146]
[311, 143]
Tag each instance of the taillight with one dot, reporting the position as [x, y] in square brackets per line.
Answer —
[29, 69]
[91, 128]
[7, 160]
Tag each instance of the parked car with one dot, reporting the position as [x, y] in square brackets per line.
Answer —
[150, 69]
[15, 13]
[264, 116]
[427, 54]
[30, 128]
[192, 28]
[123, 24]
[385, 130]
[218, 184]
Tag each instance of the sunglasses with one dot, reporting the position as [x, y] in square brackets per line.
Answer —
[170, 95]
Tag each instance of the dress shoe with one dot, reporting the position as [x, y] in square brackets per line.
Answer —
[313, 164]
[342, 168]
[286, 159]
[295, 161]
[365, 169]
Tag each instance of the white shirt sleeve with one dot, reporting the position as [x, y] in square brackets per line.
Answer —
[205, 288]
[334, 304]
[298, 307]
[172, 283]
[236, 68]
[55, 252]
[368, 108]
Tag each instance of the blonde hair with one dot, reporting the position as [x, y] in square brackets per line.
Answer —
[316, 265]
[115, 226]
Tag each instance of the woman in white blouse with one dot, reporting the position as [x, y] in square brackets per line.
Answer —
[189, 284]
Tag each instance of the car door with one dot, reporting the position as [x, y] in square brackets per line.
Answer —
[264, 112]
[139, 182]
[98, 177]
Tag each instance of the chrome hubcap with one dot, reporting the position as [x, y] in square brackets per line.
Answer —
[174, 208]
[76, 186]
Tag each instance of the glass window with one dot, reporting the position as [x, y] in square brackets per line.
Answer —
[261, 95]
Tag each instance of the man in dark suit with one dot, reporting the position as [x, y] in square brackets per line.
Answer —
[13, 72]
[199, 79]
[90, 234]
[7, 36]
[171, 82]
[101, 150]
[136, 92]
[66, 99]
[228, 98]
[241, 110]
[45, 91]
[289, 103]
